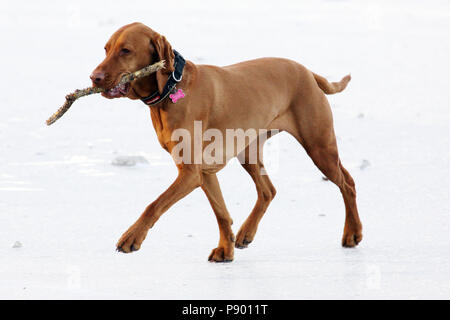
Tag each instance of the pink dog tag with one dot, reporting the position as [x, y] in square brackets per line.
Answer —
[176, 96]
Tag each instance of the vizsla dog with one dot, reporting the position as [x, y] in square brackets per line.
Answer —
[269, 93]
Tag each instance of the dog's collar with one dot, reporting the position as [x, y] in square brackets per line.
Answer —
[174, 78]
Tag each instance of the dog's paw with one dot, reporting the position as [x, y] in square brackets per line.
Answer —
[132, 239]
[244, 237]
[351, 239]
[221, 254]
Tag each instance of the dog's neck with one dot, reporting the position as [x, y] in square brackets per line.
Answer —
[174, 78]
[144, 87]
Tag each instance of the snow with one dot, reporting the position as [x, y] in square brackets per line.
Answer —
[66, 204]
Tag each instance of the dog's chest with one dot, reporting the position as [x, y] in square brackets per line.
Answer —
[164, 123]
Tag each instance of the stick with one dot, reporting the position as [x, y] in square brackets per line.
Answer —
[71, 97]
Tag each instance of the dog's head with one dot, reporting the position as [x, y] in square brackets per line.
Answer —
[129, 49]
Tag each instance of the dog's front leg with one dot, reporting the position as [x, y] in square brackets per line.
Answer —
[189, 178]
[225, 250]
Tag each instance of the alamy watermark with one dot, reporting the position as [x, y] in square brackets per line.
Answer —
[215, 147]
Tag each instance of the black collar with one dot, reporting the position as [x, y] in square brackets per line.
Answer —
[174, 78]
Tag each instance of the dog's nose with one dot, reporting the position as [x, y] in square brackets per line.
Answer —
[97, 77]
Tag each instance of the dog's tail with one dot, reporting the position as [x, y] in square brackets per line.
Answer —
[333, 87]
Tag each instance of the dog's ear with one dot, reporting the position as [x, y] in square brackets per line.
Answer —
[163, 51]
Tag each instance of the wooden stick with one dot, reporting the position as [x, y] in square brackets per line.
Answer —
[71, 97]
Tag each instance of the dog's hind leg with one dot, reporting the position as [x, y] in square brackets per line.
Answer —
[327, 160]
[266, 192]
[312, 126]
[225, 249]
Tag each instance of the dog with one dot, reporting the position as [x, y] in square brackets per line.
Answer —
[272, 94]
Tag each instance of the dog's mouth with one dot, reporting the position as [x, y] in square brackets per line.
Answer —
[121, 90]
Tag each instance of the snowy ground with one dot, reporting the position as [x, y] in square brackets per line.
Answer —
[67, 205]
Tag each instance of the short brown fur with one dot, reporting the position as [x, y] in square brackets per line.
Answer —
[290, 98]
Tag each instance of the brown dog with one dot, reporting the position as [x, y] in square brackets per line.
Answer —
[268, 93]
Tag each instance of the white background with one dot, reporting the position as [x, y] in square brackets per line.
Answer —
[67, 205]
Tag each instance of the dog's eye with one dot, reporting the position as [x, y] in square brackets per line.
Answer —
[124, 51]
